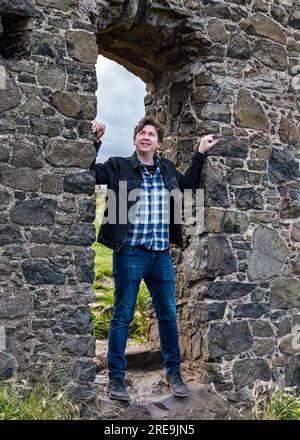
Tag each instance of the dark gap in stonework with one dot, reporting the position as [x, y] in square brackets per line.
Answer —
[13, 35]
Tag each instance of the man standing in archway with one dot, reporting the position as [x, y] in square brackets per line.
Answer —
[141, 244]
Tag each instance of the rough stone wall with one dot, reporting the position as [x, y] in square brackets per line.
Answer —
[47, 98]
[228, 68]
[210, 66]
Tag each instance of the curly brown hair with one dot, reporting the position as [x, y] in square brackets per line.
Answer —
[149, 120]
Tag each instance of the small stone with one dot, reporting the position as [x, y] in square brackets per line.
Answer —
[262, 328]
[5, 269]
[237, 177]
[45, 272]
[52, 184]
[285, 294]
[262, 25]
[32, 106]
[75, 105]
[248, 198]
[82, 46]
[258, 5]
[34, 212]
[4, 154]
[273, 55]
[204, 94]
[77, 235]
[26, 154]
[295, 234]
[10, 234]
[16, 306]
[231, 146]
[9, 96]
[247, 371]
[66, 154]
[215, 187]
[284, 327]
[217, 31]
[204, 78]
[249, 113]
[239, 47]
[282, 167]
[19, 8]
[289, 132]
[80, 183]
[222, 290]
[263, 347]
[292, 372]
[294, 19]
[268, 254]
[217, 220]
[40, 236]
[4, 196]
[78, 345]
[20, 178]
[251, 310]
[87, 210]
[287, 344]
[43, 44]
[78, 322]
[84, 370]
[52, 77]
[51, 127]
[296, 265]
[61, 5]
[8, 365]
[216, 112]
[220, 257]
[85, 265]
[232, 338]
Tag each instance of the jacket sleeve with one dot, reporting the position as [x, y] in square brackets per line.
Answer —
[190, 178]
[101, 170]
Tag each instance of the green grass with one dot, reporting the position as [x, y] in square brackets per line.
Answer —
[104, 288]
[43, 400]
[282, 404]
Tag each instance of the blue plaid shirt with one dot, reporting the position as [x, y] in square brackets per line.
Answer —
[151, 222]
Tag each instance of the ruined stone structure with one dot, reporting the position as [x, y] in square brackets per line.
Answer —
[227, 67]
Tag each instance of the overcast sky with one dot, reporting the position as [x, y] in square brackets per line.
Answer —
[120, 98]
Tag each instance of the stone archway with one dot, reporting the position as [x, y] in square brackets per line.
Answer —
[210, 67]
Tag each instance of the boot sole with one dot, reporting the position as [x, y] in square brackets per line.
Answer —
[113, 397]
[174, 392]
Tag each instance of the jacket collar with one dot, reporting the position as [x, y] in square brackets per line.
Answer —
[135, 162]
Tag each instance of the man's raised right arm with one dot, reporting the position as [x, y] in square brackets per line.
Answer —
[101, 171]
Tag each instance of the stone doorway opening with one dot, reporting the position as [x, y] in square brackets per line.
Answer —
[164, 57]
[120, 106]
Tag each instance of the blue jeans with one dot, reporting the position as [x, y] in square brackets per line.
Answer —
[130, 266]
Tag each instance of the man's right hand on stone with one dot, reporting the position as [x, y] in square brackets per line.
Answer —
[98, 128]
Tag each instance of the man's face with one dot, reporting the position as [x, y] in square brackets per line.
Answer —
[146, 140]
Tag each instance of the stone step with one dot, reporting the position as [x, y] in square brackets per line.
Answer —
[139, 357]
[150, 399]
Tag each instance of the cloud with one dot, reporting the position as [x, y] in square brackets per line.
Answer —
[120, 98]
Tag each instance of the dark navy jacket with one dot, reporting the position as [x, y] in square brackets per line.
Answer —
[126, 169]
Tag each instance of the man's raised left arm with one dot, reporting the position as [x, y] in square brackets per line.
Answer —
[190, 178]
